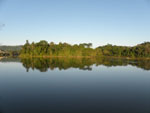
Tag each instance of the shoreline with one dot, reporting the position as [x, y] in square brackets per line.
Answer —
[127, 58]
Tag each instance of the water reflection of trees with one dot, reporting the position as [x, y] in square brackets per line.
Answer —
[44, 64]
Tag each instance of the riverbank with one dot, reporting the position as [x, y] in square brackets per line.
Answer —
[1, 58]
[114, 57]
[56, 57]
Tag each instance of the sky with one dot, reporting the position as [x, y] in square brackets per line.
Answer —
[117, 22]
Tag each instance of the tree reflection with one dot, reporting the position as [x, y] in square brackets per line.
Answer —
[44, 64]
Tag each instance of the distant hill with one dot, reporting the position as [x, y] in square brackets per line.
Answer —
[145, 44]
[10, 48]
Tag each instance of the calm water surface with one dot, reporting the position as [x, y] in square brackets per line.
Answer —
[74, 86]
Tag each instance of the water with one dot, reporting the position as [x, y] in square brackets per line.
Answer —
[74, 86]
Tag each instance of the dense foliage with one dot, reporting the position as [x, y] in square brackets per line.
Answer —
[9, 53]
[43, 48]
[141, 50]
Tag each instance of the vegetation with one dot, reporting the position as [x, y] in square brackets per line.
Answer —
[9, 51]
[45, 49]
[10, 48]
[139, 51]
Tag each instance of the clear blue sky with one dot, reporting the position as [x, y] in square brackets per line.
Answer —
[120, 22]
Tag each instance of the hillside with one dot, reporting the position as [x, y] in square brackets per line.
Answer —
[10, 48]
[140, 50]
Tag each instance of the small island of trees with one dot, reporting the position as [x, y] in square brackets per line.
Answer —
[45, 49]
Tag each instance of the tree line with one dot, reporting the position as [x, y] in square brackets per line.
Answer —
[43, 48]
